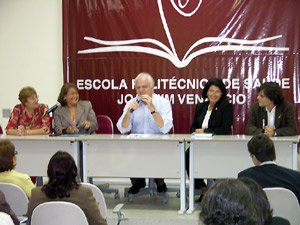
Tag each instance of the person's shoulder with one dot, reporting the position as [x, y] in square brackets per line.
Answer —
[202, 104]
[84, 103]
[19, 107]
[280, 221]
[287, 104]
[18, 174]
[288, 170]
[82, 191]
[247, 171]
[36, 191]
[224, 102]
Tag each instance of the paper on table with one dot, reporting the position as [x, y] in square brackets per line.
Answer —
[72, 135]
[138, 135]
[205, 135]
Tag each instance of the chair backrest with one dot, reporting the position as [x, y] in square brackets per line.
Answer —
[99, 198]
[58, 213]
[15, 197]
[5, 219]
[105, 125]
[284, 204]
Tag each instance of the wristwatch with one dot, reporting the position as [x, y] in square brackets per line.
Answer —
[154, 111]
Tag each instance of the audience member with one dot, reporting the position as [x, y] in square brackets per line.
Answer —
[148, 113]
[229, 202]
[266, 172]
[8, 174]
[5, 208]
[62, 186]
[212, 116]
[271, 114]
[29, 117]
[263, 208]
[74, 116]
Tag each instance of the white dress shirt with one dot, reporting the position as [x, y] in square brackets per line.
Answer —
[142, 121]
[206, 118]
[271, 117]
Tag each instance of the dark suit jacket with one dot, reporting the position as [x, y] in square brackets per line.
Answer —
[62, 118]
[279, 221]
[285, 120]
[272, 175]
[220, 120]
[4, 207]
[83, 197]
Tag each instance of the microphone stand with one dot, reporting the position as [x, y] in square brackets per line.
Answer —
[52, 131]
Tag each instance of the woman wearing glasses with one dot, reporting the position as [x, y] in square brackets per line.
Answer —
[212, 116]
[29, 117]
[8, 174]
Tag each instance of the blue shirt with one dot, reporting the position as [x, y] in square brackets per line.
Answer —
[141, 120]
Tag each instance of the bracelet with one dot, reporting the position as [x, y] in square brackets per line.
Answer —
[154, 111]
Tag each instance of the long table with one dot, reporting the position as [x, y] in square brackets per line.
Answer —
[35, 151]
[152, 156]
[224, 156]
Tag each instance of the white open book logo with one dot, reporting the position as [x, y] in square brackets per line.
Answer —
[230, 44]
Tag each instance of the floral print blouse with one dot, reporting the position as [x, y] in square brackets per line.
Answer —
[40, 118]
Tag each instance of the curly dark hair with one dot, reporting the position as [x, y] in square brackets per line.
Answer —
[216, 82]
[260, 199]
[272, 91]
[229, 202]
[62, 173]
[262, 147]
[7, 153]
[63, 91]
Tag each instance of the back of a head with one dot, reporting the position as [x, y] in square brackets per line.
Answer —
[260, 199]
[228, 202]
[7, 153]
[262, 147]
[62, 173]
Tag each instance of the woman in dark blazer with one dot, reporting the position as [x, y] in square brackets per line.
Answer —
[212, 116]
[62, 186]
[74, 116]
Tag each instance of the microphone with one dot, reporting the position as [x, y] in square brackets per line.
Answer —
[53, 108]
[138, 100]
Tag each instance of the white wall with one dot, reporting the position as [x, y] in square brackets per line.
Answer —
[30, 50]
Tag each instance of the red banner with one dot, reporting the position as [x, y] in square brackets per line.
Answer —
[181, 44]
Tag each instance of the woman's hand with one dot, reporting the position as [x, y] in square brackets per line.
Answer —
[199, 131]
[21, 131]
[71, 130]
[86, 124]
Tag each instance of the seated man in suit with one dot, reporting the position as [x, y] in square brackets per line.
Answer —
[266, 172]
[271, 115]
[148, 113]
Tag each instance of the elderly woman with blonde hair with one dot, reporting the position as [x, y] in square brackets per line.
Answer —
[8, 174]
[29, 117]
